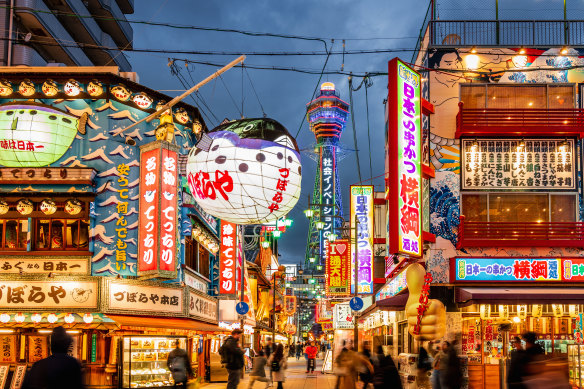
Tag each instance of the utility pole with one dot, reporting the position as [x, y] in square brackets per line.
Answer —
[356, 291]
[241, 296]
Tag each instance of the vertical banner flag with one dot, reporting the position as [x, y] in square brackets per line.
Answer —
[158, 210]
[337, 280]
[403, 158]
[362, 207]
[227, 272]
[327, 193]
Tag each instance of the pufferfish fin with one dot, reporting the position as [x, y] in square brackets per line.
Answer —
[82, 122]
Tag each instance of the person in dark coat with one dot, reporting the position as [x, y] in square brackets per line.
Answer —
[233, 358]
[58, 371]
[453, 378]
[516, 365]
[385, 374]
[179, 364]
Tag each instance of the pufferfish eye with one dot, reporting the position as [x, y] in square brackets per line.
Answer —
[285, 141]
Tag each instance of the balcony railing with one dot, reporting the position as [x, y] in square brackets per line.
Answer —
[520, 234]
[507, 33]
[512, 121]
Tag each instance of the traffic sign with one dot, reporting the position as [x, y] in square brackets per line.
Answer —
[242, 307]
[356, 303]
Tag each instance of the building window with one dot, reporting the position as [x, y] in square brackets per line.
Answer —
[191, 248]
[61, 234]
[519, 207]
[14, 234]
[514, 96]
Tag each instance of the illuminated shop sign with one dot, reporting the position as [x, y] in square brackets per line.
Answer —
[337, 268]
[518, 164]
[227, 258]
[403, 160]
[520, 269]
[393, 287]
[362, 208]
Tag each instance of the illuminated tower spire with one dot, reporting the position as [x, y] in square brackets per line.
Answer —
[327, 115]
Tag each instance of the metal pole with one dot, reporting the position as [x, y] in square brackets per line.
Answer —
[173, 102]
[10, 24]
[356, 291]
[274, 309]
[241, 296]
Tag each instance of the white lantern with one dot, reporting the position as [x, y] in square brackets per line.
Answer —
[69, 318]
[120, 92]
[52, 318]
[4, 318]
[3, 207]
[50, 88]
[73, 207]
[72, 88]
[36, 318]
[5, 88]
[26, 88]
[24, 207]
[536, 310]
[95, 88]
[88, 318]
[142, 100]
[248, 172]
[19, 317]
[48, 207]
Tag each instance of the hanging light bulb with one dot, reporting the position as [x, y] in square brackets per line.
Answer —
[4, 318]
[52, 318]
[69, 318]
[19, 317]
[88, 318]
[36, 318]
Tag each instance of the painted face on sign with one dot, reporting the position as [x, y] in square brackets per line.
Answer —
[250, 174]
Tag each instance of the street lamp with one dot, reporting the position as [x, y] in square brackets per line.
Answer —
[312, 259]
[332, 237]
[265, 244]
[277, 233]
[309, 213]
[319, 225]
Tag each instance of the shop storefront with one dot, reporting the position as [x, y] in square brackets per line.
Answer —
[85, 206]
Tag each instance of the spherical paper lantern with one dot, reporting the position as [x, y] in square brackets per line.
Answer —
[26, 88]
[69, 318]
[88, 318]
[5, 88]
[19, 317]
[24, 207]
[142, 100]
[95, 88]
[48, 207]
[4, 318]
[36, 318]
[249, 174]
[52, 318]
[72, 88]
[4, 207]
[73, 207]
[120, 92]
[50, 88]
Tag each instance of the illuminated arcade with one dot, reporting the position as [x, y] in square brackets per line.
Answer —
[327, 115]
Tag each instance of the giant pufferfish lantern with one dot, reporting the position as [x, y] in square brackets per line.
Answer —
[251, 173]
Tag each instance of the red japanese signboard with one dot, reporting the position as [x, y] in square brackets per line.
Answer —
[289, 305]
[227, 258]
[158, 210]
[403, 160]
[337, 279]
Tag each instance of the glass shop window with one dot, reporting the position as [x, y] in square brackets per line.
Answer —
[505, 96]
[191, 252]
[519, 207]
[61, 234]
[14, 234]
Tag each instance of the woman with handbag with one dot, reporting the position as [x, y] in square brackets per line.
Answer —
[278, 364]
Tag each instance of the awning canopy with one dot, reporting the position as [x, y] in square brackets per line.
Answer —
[395, 303]
[94, 321]
[509, 295]
[167, 323]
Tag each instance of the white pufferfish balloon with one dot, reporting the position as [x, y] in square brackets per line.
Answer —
[251, 173]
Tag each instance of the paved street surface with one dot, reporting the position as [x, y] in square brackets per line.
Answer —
[296, 378]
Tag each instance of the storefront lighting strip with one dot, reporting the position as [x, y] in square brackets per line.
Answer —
[6, 331]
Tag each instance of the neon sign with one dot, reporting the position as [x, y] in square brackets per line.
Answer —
[227, 266]
[337, 268]
[362, 208]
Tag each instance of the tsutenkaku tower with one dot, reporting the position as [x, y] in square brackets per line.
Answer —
[326, 115]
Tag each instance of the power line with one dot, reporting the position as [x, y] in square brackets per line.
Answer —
[255, 92]
[229, 93]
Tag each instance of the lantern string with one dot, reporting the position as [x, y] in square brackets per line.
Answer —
[255, 92]
[230, 95]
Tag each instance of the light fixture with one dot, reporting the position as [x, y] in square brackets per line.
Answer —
[312, 259]
[52, 318]
[72, 88]
[332, 237]
[69, 318]
[319, 267]
[564, 145]
[265, 244]
[309, 213]
[288, 222]
[522, 50]
[19, 317]
[474, 144]
[6, 331]
[472, 61]
[516, 319]
[319, 225]
[521, 144]
[88, 318]
[277, 233]
[564, 50]
[36, 318]
[4, 318]
[473, 49]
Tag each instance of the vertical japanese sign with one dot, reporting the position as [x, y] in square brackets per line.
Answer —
[227, 281]
[289, 305]
[122, 222]
[403, 159]
[337, 279]
[362, 208]
[327, 197]
[158, 210]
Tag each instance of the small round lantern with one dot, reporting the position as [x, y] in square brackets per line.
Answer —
[95, 88]
[4, 207]
[36, 318]
[50, 88]
[142, 100]
[120, 92]
[69, 318]
[24, 207]
[72, 88]
[48, 207]
[73, 207]
[4, 318]
[19, 317]
[5, 88]
[26, 88]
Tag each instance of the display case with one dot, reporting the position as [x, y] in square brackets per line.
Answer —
[575, 361]
[144, 360]
[408, 369]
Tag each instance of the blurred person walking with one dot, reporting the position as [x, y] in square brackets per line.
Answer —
[298, 350]
[385, 373]
[349, 364]
[516, 365]
[59, 370]
[453, 371]
[258, 372]
[232, 357]
[365, 375]
[278, 365]
[424, 369]
[179, 364]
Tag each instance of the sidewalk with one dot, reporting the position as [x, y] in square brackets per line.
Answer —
[296, 378]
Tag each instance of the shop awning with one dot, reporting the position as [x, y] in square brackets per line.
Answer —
[395, 303]
[504, 295]
[163, 322]
[89, 321]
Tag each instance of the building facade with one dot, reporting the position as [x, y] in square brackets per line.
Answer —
[71, 32]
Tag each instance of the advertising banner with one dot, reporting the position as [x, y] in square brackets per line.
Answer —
[227, 265]
[362, 208]
[143, 299]
[403, 160]
[48, 295]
